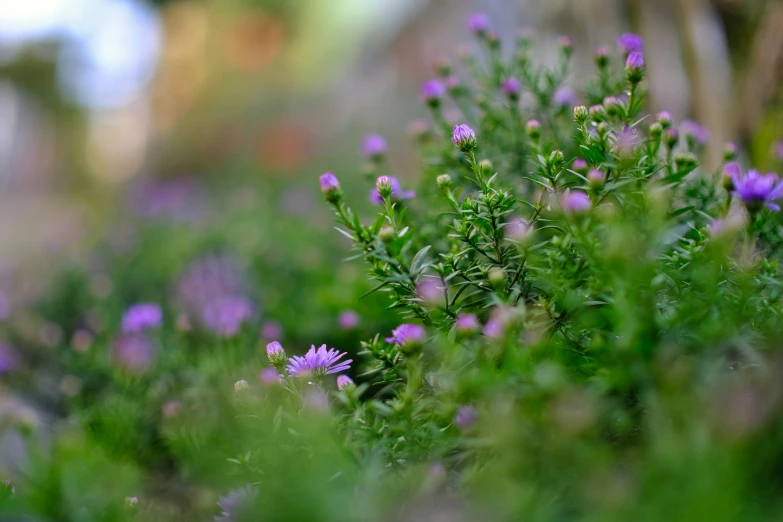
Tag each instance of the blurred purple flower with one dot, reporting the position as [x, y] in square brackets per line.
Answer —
[510, 87]
[432, 90]
[576, 202]
[348, 319]
[694, 131]
[431, 291]
[563, 97]
[756, 190]
[407, 334]
[579, 165]
[329, 182]
[9, 360]
[208, 279]
[479, 23]
[374, 146]
[271, 330]
[142, 316]
[466, 323]
[237, 505]
[133, 352]
[630, 42]
[319, 362]
[226, 315]
[517, 229]
[397, 192]
[269, 376]
[178, 199]
[465, 417]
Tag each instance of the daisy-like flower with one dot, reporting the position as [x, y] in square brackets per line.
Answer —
[318, 362]
[756, 190]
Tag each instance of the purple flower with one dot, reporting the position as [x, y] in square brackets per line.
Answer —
[464, 138]
[329, 182]
[432, 91]
[319, 362]
[664, 118]
[269, 376]
[695, 132]
[566, 43]
[133, 352]
[142, 316]
[563, 97]
[348, 319]
[517, 229]
[576, 202]
[237, 505]
[466, 323]
[396, 192]
[407, 334]
[274, 348]
[479, 23]
[9, 360]
[271, 330]
[344, 381]
[579, 165]
[634, 67]
[374, 146]
[452, 82]
[225, 315]
[210, 278]
[431, 291]
[595, 178]
[630, 42]
[510, 87]
[601, 56]
[757, 190]
[533, 129]
[465, 417]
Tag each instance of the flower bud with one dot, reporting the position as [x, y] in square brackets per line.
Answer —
[533, 129]
[466, 323]
[579, 165]
[596, 179]
[493, 40]
[276, 353]
[684, 160]
[556, 157]
[384, 186]
[442, 66]
[730, 151]
[241, 385]
[656, 130]
[479, 24]
[601, 57]
[634, 67]
[581, 114]
[330, 186]
[464, 138]
[511, 88]
[432, 92]
[613, 106]
[374, 146]
[566, 45]
[496, 276]
[731, 172]
[665, 119]
[444, 181]
[598, 113]
[670, 137]
[576, 202]
[487, 168]
[345, 383]
[387, 234]
[517, 230]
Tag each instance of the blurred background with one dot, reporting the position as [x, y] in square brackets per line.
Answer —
[186, 107]
[99, 95]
